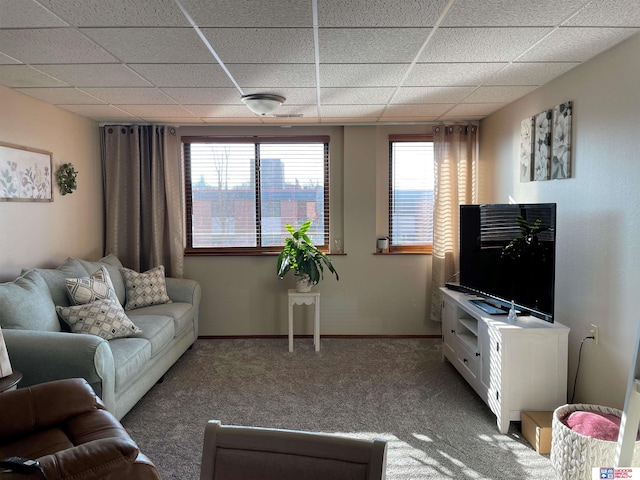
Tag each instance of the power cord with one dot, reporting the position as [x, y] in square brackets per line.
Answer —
[575, 381]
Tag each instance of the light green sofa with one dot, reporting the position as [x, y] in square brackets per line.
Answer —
[120, 370]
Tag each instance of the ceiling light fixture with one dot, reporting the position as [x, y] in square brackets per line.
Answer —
[262, 103]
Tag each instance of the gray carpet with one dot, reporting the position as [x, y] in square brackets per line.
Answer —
[396, 389]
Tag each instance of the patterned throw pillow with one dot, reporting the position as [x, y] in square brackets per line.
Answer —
[89, 289]
[104, 318]
[144, 289]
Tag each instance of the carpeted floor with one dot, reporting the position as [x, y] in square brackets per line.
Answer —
[396, 389]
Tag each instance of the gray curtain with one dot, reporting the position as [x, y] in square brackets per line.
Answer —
[143, 190]
[455, 150]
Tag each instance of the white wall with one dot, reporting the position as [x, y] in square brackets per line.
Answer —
[376, 295]
[598, 224]
[44, 234]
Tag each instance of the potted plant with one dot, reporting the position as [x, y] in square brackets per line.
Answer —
[301, 255]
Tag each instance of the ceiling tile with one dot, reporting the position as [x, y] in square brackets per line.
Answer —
[288, 121]
[220, 111]
[231, 120]
[480, 44]
[530, 73]
[419, 119]
[608, 13]
[26, 14]
[451, 74]
[250, 13]
[61, 96]
[7, 60]
[379, 13]
[348, 120]
[195, 96]
[307, 111]
[100, 112]
[468, 13]
[474, 109]
[173, 120]
[111, 13]
[370, 45]
[354, 96]
[152, 45]
[262, 45]
[142, 96]
[100, 75]
[155, 111]
[174, 75]
[361, 75]
[576, 44]
[422, 110]
[274, 75]
[502, 94]
[351, 110]
[51, 45]
[417, 95]
[25, 76]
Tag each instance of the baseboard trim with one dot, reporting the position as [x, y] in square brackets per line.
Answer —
[236, 337]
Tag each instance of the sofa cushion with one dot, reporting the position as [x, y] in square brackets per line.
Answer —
[182, 314]
[26, 304]
[157, 329]
[104, 318]
[144, 289]
[113, 267]
[89, 289]
[55, 278]
[131, 356]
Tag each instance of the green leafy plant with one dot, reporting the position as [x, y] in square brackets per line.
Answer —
[300, 255]
[66, 178]
[527, 246]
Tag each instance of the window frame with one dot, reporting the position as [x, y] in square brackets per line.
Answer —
[190, 250]
[426, 249]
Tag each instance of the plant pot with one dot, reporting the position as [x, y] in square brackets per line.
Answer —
[303, 284]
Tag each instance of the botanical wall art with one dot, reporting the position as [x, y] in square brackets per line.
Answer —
[545, 144]
[561, 151]
[542, 146]
[526, 148]
[25, 174]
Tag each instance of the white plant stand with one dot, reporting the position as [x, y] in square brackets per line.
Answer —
[307, 298]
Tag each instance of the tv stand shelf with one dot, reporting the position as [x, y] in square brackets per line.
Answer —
[513, 367]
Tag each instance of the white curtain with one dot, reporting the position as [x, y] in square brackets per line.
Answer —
[456, 165]
[143, 190]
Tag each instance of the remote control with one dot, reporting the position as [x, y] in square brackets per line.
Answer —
[19, 464]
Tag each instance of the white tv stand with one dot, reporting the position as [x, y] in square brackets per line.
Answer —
[513, 367]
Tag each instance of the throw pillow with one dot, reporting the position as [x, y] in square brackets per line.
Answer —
[113, 267]
[145, 289]
[89, 289]
[104, 318]
[26, 304]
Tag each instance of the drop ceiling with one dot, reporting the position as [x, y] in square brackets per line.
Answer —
[335, 61]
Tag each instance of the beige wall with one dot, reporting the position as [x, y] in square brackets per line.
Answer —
[598, 224]
[375, 295]
[44, 234]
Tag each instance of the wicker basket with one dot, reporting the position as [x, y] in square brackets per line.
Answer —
[573, 455]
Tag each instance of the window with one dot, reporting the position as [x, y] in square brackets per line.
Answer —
[411, 182]
[242, 191]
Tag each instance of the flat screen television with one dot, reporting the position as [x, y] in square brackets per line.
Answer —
[507, 253]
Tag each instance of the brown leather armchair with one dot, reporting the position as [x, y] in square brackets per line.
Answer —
[65, 426]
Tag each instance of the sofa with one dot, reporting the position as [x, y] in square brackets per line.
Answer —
[120, 370]
[66, 428]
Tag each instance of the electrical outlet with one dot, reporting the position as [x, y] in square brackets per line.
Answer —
[595, 333]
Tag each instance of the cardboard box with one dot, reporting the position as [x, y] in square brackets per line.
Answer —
[536, 428]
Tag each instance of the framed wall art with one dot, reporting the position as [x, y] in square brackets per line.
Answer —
[526, 148]
[542, 146]
[561, 146]
[25, 174]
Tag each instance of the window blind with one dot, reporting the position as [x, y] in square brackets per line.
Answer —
[411, 192]
[241, 192]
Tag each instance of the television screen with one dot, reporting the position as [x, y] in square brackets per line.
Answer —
[507, 253]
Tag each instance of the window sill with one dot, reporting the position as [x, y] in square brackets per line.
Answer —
[401, 253]
[246, 254]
